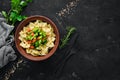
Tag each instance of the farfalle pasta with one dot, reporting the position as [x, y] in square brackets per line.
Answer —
[37, 38]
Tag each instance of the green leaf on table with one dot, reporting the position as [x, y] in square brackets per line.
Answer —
[23, 3]
[17, 10]
[13, 16]
[15, 3]
[20, 17]
[65, 39]
[4, 13]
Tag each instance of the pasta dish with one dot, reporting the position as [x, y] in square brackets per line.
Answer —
[37, 38]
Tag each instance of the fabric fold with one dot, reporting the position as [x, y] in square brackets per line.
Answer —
[7, 53]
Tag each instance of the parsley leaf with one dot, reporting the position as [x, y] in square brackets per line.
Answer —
[14, 13]
[23, 3]
[4, 13]
[15, 4]
[20, 17]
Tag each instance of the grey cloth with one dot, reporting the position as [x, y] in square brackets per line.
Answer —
[7, 53]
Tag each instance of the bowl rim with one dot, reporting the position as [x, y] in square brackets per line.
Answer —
[25, 22]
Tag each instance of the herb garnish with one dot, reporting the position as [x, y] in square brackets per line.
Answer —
[36, 37]
[65, 39]
[14, 13]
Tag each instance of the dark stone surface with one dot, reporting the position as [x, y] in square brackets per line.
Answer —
[95, 52]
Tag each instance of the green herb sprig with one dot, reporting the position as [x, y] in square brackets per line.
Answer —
[14, 13]
[66, 38]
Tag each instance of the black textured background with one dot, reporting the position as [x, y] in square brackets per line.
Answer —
[96, 49]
